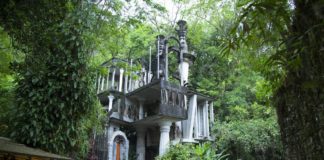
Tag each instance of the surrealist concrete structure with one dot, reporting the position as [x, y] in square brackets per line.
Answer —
[145, 104]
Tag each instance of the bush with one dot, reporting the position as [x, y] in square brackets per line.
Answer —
[206, 151]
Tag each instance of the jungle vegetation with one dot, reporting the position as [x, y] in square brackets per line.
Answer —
[262, 60]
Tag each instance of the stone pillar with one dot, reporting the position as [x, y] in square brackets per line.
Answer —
[184, 72]
[121, 72]
[206, 119]
[140, 144]
[126, 84]
[99, 80]
[196, 123]
[113, 79]
[164, 136]
[211, 117]
[190, 122]
[102, 83]
[211, 112]
[141, 108]
[111, 98]
[107, 84]
[130, 86]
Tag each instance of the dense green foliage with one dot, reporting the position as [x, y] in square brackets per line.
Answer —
[6, 80]
[246, 125]
[291, 29]
[253, 56]
[205, 151]
[53, 105]
[54, 97]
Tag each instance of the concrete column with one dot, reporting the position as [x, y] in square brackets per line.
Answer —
[130, 86]
[211, 116]
[102, 83]
[113, 79]
[211, 112]
[121, 72]
[126, 83]
[206, 119]
[141, 108]
[190, 123]
[130, 83]
[111, 98]
[184, 72]
[197, 128]
[164, 136]
[107, 84]
[150, 75]
[140, 144]
[143, 76]
[99, 79]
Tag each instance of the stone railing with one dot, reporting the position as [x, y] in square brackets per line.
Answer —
[117, 80]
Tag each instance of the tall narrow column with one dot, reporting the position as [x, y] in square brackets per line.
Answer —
[99, 80]
[211, 116]
[184, 72]
[102, 83]
[107, 84]
[140, 144]
[206, 119]
[164, 136]
[141, 108]
[121, 72]
[149, 71]
[111, 98]
[113, 79]
[130, 77]
[143, 76]
[211, 112]
[190, 122]
[126, 84]
[196, 127]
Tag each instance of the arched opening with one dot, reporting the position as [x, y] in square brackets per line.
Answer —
[119, 143]
[118, 146]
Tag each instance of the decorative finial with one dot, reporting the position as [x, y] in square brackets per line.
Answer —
[182, 30]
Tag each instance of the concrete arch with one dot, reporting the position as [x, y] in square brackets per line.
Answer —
[111, 145]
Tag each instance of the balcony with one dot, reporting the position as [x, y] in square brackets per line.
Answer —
[161, 100]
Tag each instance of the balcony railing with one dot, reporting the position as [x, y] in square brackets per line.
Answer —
[117, 80]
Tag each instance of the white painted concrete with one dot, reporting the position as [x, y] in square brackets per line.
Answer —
[99, 80]
[121, 72]
[164, 136]
[113, 79]
[124, 148]
[184, 72]
[102, 83]
[190, 122]
[125, 84]
[141, 108]
[107, 84]
[111, 98]
[206, 120]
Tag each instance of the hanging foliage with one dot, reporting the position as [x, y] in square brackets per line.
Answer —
[56, 105]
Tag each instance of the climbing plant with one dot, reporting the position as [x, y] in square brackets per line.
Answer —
[55, 103]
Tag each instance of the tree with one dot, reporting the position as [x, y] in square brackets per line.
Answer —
[56, 107]
[292, 29]
[55, 103]
[245, 126]
[6, 80]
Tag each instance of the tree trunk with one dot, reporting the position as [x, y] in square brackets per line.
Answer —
[300, 100]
